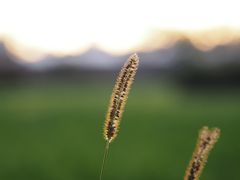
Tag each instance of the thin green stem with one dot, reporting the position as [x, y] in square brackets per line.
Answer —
[104, 159]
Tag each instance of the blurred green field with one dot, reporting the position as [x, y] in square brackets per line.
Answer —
[54, 132]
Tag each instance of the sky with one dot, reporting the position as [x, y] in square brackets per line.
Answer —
[33, 28]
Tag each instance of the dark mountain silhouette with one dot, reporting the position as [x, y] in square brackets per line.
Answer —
[217, 67]
[182, 62]
[6, 62]
[9, 66]
[93, 58]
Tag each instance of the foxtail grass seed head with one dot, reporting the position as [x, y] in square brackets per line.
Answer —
[119, 97]
[117, 103]
[206, 140]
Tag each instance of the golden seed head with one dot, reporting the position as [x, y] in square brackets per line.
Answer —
[206, 140]
[119, 97]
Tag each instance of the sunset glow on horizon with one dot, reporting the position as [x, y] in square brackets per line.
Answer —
[34, 28]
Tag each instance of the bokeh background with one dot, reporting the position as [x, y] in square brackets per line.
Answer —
[58, 64]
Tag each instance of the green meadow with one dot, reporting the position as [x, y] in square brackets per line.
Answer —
[54, 132]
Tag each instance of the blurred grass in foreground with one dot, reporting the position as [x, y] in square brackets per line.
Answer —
[54, 132]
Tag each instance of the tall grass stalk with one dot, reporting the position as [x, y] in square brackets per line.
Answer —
[117, 103]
